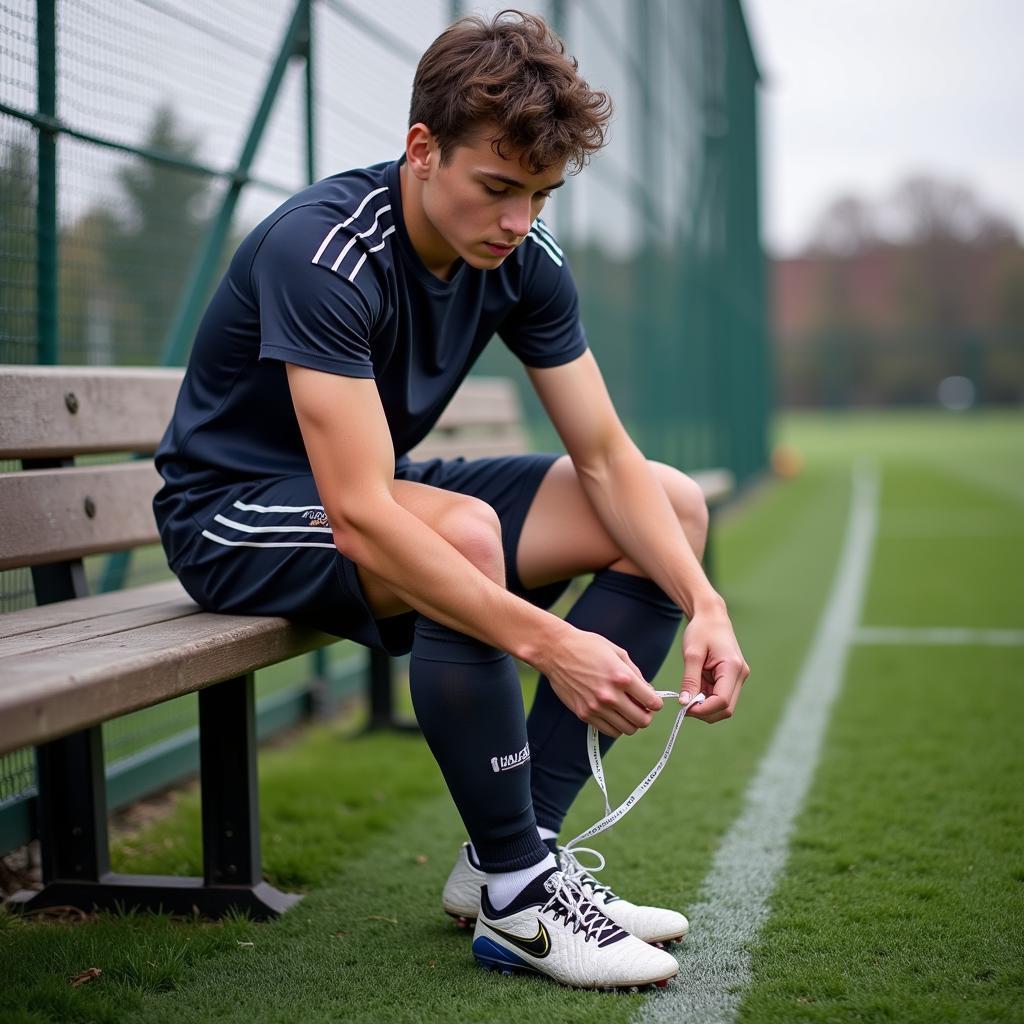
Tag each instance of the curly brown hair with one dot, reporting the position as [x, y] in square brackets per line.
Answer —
[512, 76]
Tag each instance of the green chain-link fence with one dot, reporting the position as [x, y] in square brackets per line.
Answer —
[140, 141]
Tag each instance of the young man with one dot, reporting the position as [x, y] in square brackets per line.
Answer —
[342, 329]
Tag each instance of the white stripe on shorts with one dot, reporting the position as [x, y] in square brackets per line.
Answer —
[270, 529]
[278, 508]
[264, 543]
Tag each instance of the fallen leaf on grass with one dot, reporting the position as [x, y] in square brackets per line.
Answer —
[421, 858]
[375, 917]
[89, 974]
[339, 935]
[58, 914]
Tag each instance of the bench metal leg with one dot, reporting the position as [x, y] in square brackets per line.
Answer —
[382, 697]
[73, 824]
[72, 807]
[382, 709]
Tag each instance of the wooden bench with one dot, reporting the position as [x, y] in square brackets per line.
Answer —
[76, 660]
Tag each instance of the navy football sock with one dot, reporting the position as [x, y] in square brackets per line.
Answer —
[631, 611]
[469, 704]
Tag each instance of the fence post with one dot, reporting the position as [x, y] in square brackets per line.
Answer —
[305, 46]
[47, 339]
[195, 292]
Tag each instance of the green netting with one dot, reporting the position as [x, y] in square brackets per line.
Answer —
[17, 242]
[155, 100]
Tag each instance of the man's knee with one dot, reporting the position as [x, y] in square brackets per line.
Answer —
[472, 527]
[688, 501]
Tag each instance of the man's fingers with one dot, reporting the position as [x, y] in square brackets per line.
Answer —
[693, 670]
[728, 679]
[711, 710]
[641, 698]
[611, 724]
[723, 692]
[639, 689]
[629, 711]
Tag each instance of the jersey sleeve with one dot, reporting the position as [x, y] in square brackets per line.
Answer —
[310, 313]
[544, 328]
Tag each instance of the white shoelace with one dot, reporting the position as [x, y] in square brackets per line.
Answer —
[597, 769]
[568, 898]
[576, 871]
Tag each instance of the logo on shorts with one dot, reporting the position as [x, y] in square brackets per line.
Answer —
[506, 762]
[316, 517]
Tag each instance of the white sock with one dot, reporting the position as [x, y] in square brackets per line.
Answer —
[504, 887]
[546, 833]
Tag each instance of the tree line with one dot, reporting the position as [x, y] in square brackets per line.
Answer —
[892, 296]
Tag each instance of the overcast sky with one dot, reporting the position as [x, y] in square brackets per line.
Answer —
[860, 93]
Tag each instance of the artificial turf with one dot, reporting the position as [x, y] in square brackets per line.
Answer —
[903, 899]
[902, 896]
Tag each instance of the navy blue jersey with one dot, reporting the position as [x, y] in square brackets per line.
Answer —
[331, 281]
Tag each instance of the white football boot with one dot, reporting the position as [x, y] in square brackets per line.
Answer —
[461, 896]
[552, 928]
[656, 925]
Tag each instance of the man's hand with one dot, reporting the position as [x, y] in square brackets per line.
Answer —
[597, 682]
[713, 665]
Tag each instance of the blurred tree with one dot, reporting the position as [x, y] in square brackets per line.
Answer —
[927, 210]
[155, 238]
[18, 252]
[891, 297]
[1006, 365]
[846, 227]
[94, 308]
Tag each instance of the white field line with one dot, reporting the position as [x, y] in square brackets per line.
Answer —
[939, 635]
[714, 964]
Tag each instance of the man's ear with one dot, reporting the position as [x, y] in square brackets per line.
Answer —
[421, 151]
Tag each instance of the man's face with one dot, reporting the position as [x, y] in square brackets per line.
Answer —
[482, 205]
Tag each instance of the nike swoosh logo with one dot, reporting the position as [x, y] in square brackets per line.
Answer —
[539, 946]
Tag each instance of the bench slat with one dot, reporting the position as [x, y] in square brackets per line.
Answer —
[509, 442]
[47, 616]
[717, 484]
[128, 409]
[46, 518]
[109, 676]
[66, 633]
[482, 401]
[117, 410]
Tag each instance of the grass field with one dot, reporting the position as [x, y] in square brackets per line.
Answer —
[899, 888]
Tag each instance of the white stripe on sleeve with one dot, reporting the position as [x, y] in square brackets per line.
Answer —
[376, 248]
[545, 232]
[362, 234]
[534, 237]
[330, 234]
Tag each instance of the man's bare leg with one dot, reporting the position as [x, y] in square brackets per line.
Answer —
[562, 536]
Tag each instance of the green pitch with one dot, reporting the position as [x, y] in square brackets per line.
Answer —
[902, 897]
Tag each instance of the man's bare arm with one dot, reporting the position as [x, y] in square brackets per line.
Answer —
[636, 512]
[350, 451]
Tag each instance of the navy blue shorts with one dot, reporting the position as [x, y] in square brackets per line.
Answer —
[265, 548]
